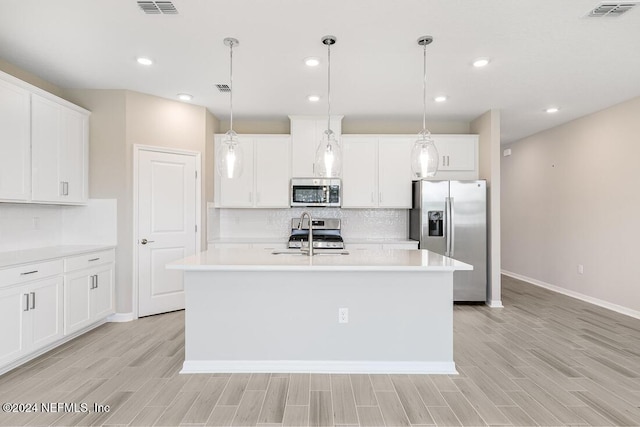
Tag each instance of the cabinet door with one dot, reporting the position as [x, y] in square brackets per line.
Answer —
[77, 289]
[394, 172]
[306, 134]
[304, 140]
[46, 311]
[45, 145]
[273, 171]
[15, 143]
[457, 152]
[238, 192]
[13, 306]
[102, 295]
[73, 155]
[359, 172]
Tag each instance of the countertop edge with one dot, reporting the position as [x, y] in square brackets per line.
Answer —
[47, 253]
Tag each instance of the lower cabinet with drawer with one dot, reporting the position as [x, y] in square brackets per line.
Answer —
[88, 290]
[31, 312]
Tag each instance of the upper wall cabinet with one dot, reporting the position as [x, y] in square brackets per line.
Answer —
[15, 161]
[59, 144]
[458, 156]
[264, 182]
[44, 146]
[376, 171]
[306, 134]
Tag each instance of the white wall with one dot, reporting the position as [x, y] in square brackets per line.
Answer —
[571, 195]
[487, 127]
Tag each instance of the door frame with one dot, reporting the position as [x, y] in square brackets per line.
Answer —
[137, 148]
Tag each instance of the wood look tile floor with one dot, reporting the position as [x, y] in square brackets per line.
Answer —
[544, 359]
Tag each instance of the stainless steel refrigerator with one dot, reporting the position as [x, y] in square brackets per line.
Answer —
[450, 218]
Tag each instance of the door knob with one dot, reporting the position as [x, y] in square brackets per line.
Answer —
[145, 241]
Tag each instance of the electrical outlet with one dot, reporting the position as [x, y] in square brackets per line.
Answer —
[343, 315]
[580, 269]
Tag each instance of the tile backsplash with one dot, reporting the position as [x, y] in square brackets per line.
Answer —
[28, 226]
[276, 223]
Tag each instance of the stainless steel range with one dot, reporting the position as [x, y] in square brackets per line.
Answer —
[326, 234]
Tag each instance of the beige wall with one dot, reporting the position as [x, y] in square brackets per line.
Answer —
[30, 78]
[119, 120]
[570, 196]
[487, 127]
[350, 126]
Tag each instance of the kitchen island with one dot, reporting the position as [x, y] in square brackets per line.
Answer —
[248, 310]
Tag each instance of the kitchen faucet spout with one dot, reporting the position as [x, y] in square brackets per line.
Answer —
[308, 215]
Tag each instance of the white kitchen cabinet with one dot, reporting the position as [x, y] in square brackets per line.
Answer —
[59, 152]
[457, 152]
[376, 172]
[264, 182]
[88, 290]
[306, 134]
[15, 143]
[31, 316]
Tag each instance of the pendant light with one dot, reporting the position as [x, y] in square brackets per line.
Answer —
[424, 155]
[328, 160]
[229, 152]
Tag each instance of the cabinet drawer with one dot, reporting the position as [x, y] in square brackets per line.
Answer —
[88, 260]
[28, 272]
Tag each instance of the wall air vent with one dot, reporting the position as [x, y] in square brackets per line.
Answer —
[611, 10]
[223, 88]
[158, 7]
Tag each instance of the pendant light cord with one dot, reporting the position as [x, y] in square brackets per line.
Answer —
[329, 86]
[231, 85]
[424, 92]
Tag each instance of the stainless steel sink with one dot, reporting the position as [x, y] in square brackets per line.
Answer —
[316, 252]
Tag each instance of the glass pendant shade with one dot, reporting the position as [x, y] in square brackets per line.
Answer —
[229, 156]
[424, 157]
[328, 160]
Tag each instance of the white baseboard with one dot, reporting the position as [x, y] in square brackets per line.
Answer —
[495, 303]
[595, 301]
[121, 317]
[317, 366]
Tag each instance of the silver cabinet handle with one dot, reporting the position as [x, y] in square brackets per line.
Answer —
[26, 303]
[64, 188]
[145, 241]
[372, 197]
[28, 272]
[97, 282]
[250, 197]
[94, 259]
[33, 300]
[380, 197]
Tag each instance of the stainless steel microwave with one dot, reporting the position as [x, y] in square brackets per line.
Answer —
[316, 192]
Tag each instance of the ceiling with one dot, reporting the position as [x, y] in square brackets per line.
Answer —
[543, 53]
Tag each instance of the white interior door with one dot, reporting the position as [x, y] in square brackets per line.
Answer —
[167, 188]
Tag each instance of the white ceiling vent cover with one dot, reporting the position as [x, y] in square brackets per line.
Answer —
[611, 10]
[223, 88]
[158, 7]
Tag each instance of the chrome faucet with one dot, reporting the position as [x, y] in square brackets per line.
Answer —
[310, 252]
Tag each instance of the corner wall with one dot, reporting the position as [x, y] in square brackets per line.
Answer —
[571, 197]
[487, 127]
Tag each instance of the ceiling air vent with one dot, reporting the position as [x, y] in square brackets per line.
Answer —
[223, 88]
[158, 7]
[611, 10]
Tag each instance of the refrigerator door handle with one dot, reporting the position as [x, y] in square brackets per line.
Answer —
[452, 228]
[447, 226]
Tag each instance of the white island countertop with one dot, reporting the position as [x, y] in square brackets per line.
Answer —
[361, 260]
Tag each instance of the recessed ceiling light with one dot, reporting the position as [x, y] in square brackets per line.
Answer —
[144, 61]
[185, 97]
[440, 98]
[313, 98]
[552, 110]
[480, 62]
[312, 62]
